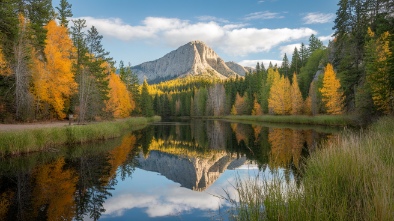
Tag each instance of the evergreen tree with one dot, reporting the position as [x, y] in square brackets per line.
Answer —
[40, 12]
[285, 68]
[257, 67]
[146, 102]
[304, 55]
[314, 44]
[295, 62]
[64, 12]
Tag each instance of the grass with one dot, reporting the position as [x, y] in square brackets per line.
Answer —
[24, 141]
[328, 120]
[350, 179]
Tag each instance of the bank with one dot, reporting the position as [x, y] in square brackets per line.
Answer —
[40, 139]
[351, 178]
[326, 120]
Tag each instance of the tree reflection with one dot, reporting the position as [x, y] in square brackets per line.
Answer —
[71, 185]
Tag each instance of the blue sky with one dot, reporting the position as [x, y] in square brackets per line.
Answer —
[244, 31]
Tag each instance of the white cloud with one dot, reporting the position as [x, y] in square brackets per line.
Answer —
[318, 18]
[233, 39]
[252, 63]
[158, 203]
[251, 40]
[263, 15]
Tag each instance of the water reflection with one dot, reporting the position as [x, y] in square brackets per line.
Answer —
[161, 171]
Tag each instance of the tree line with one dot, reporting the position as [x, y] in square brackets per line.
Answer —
[354, 74]
[49, 70]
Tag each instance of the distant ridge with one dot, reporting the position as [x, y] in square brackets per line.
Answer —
[192, 59]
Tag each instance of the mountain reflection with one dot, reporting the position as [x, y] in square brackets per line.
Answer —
[77, 182]
[194, 155]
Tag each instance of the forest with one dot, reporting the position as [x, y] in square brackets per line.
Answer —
[51, 68]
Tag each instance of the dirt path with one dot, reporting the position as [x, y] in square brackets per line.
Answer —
[13, 127]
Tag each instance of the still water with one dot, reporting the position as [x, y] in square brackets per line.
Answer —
[167, 171]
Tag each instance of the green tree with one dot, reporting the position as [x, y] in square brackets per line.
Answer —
[378, 71]
[295, 65]
[285, 68]
[314, 44]
[39, 12]
[64, 12]
[146, 101]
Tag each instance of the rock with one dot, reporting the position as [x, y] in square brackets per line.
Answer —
[192, 59]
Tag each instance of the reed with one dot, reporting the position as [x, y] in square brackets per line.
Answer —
[24, 141]
[349, 179]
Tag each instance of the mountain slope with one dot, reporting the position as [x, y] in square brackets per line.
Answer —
[192, 59]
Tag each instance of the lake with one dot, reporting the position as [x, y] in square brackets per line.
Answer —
[167, 171]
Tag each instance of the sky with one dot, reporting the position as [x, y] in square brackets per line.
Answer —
[243, 31]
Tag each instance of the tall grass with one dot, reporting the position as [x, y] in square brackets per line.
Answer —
[350, 179]
[24, 141]
[328, 120]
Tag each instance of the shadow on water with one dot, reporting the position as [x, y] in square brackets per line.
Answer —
[74, 182]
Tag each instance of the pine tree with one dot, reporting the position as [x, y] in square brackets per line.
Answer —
[295, 65]
[64, 12]
[304, 55]
[285, 68]
[257, 67]
[331, 92]
[314, 44]
[146, 101]
[40, 12]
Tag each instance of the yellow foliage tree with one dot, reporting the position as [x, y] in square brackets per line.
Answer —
[279, 100]
[308, 106]
[331, 91]
[4, 66]
[256, 108]
[296, 97]
[53, 80]
[119, 103]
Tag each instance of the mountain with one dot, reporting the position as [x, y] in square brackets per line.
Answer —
[239, 69]
[192, 59]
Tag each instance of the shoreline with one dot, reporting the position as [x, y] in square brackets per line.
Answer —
[27, 139]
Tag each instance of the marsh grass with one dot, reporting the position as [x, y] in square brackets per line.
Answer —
[24, 141]
[328, 120]
[349, 179]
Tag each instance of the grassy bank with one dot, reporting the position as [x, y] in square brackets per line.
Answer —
[24, 141]
[351, 179]
[329, 120]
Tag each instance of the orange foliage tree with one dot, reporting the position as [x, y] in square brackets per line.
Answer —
[120, 103]
[331, 91]
[54, 190]
[53, 80]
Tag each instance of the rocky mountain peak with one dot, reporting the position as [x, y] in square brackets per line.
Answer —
[192, 59]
